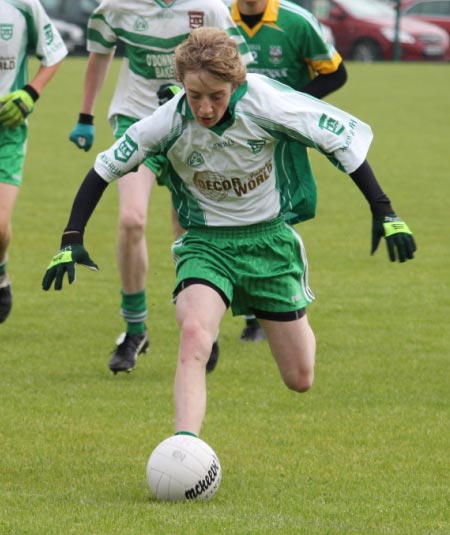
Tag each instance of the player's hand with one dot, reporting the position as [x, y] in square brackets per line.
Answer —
[15, 108]
[84, 132]
[399, 239]
[64, 262]
[167, 92]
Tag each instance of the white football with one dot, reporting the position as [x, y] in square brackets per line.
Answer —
[182, 468]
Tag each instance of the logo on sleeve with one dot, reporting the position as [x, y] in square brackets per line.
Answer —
[125, 150]
[48, 32]
[331, 124]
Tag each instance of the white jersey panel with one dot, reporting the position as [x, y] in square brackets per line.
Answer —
[21, 20]
[150, 32]
[230, 176]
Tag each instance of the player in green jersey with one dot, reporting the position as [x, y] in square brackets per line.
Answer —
[149, 32]
[288, 45]
[24, 27]
[227, 139]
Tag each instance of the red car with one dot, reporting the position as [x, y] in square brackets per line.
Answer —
[434, 11]
[364, 30]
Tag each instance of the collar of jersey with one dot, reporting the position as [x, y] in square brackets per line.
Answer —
[184, 109]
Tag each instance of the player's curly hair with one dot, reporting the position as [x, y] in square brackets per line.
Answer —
[212, 50]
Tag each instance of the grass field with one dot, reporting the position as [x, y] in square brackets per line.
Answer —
[365, 452]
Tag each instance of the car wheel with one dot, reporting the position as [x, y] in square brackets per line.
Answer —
[366, 50]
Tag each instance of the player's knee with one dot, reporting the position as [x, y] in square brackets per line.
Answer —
[195, 342]
[132, 221]
[300, 381]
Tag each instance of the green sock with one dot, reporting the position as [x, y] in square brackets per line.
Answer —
[134, 311]
[186, 433]
[2, 269]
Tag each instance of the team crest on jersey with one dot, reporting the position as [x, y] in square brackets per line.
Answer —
[140, 25]
[275, 54]
[256, 145]
[125, 150]
[49, 36]
[196, 19]
[332, 125]
[195, 159]
[6, 31]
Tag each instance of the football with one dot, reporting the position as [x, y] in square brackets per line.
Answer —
[183, 468]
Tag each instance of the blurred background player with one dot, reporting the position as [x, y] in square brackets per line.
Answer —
[288, 45]
[149, 32]
[24, 27]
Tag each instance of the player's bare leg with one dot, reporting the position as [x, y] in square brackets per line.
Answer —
[199, 310]
[293, 346]
[8, 196]
[177, 231]
[132, 258]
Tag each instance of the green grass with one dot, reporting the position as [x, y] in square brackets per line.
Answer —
[365, 452]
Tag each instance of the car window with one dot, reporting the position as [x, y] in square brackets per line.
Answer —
[440, 7]
[362, 10]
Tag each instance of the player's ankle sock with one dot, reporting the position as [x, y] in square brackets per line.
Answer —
[2, 268]
[134, 311]
[186, 433]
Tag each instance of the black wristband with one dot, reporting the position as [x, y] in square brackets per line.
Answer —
[31, 91]
[71, 237]
[86, 118]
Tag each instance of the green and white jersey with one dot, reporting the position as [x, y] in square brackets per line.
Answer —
[150, 31]
[288, 44]
[246, 170]
[25, 26]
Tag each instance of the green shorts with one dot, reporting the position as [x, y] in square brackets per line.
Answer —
[258, 269]
[13, 146]
[158, 164]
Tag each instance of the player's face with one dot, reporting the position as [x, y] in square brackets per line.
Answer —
[208, 96]
[252, 7]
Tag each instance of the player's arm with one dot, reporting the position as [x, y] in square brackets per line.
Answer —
[16, 106]
[96, 72]
[324, 84]
[72, 250]
[399, 239]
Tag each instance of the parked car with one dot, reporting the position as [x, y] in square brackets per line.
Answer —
[72, 13]
[433, 11]
[366, 31]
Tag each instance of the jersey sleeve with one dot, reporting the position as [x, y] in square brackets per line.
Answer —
[319, 54]
[101, 37]
[46, 41]
[150, 136]
[288, 114]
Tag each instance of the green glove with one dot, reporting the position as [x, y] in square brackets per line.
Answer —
[16, 106]
[399, 239]
[64, 261]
